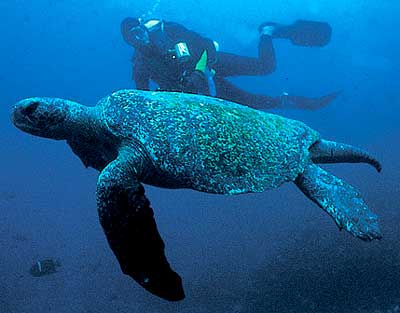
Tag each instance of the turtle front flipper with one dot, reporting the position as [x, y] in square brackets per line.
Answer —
[341, 201]
[128, 222]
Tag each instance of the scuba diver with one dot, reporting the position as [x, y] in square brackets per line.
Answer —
[178, 59]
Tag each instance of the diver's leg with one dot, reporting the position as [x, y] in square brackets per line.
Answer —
[229, 64]
[228, 91]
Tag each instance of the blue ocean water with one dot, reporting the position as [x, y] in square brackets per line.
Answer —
[269, 252]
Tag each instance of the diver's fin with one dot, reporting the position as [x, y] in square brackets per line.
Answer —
[341, 201]
[307, 103]
[305, 33]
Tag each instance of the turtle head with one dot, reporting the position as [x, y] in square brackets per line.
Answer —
[45, 117]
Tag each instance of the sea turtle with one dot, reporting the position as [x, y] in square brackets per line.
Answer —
[177, 140]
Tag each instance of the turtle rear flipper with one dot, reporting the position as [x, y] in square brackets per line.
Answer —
[128, 222]
[341, 201]
[325, 151]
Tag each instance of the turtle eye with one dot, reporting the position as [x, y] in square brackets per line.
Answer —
[30, 108]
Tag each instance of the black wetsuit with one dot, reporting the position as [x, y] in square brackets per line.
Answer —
[160, 64]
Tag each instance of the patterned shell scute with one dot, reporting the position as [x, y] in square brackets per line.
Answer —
[216, 145]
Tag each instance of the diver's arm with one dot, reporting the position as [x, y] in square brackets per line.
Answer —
[196, 82]
[196, 43]
[202, 58]
[140, 74]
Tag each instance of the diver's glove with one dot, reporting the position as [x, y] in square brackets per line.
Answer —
[195, 82]
[201, 80]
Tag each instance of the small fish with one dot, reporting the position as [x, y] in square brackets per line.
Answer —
[44, 267]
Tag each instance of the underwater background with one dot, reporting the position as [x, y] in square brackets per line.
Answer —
[269, 252]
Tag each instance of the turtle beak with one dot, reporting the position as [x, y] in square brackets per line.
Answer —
[23, 112]
[42, 117]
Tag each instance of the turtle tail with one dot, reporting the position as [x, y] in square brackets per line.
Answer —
[324, 151]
